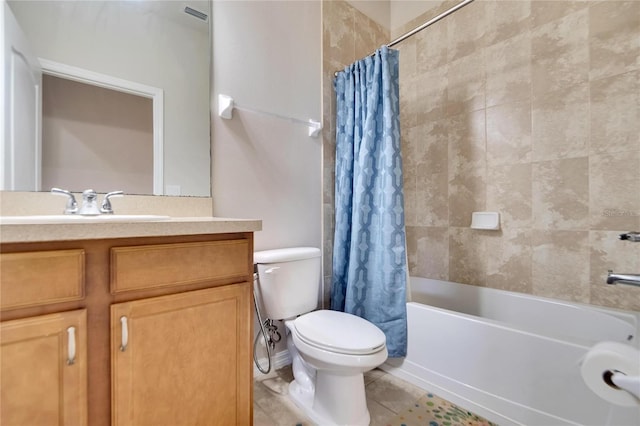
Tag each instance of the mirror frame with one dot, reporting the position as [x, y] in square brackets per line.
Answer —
[187, 172]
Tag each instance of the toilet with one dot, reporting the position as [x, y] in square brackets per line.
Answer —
[330, 350]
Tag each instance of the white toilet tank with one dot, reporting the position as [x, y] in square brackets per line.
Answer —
[289, 280]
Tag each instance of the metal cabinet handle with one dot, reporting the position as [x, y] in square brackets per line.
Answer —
[71, 345]
[125, 333]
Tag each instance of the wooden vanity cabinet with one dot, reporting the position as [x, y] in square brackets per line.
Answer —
[167, 338]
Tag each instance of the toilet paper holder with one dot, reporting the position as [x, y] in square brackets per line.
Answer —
[619, 380]
[611, 370]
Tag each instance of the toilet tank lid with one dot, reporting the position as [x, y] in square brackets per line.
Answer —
[285, 254]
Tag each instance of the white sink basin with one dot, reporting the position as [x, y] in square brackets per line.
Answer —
[72, 218]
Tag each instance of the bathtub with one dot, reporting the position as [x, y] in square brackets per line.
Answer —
[510, 357]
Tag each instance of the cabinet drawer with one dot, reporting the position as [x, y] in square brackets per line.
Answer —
[41, 277]
[154, 266]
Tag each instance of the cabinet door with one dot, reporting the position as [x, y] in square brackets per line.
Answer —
[183, 359]
[44, 370]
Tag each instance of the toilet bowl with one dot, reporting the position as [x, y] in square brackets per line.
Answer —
[339, 348]
[330, 350]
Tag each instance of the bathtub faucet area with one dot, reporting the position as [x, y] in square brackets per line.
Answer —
[629, 279]
[631, 236]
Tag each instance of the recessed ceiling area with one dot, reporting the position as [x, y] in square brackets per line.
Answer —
[393, 14]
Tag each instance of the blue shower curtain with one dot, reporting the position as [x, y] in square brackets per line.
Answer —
[369, 254]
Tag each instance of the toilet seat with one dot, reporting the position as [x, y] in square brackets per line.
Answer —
[339, 332]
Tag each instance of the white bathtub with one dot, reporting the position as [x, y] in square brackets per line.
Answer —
[510, 357]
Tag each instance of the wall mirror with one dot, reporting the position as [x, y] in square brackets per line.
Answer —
[157, 54]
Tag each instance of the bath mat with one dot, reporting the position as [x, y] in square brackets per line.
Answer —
[431, 410]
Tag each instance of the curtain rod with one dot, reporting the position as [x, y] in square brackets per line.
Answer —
[430, 22]
[426, 24]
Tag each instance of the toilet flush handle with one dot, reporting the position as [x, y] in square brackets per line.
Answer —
[271, 270]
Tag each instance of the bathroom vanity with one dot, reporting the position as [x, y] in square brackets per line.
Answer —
[127, 323]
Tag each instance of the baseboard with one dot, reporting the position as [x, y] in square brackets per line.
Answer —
[279, 360]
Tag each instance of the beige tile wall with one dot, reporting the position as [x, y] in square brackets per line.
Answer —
[528, 108]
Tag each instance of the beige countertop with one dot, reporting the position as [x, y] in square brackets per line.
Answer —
[10, 233]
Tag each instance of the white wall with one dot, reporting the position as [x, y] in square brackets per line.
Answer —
[267, 56]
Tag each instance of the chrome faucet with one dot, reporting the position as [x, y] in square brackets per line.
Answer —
[630, 279]
[631, 236]
[89, 202]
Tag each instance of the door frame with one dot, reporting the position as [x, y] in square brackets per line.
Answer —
[14, 43]
[156, 94]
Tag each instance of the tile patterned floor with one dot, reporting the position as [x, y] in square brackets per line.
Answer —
[434, 411]
[391, 402]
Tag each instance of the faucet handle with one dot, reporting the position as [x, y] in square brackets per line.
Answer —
[106, 203]
[72, 205]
